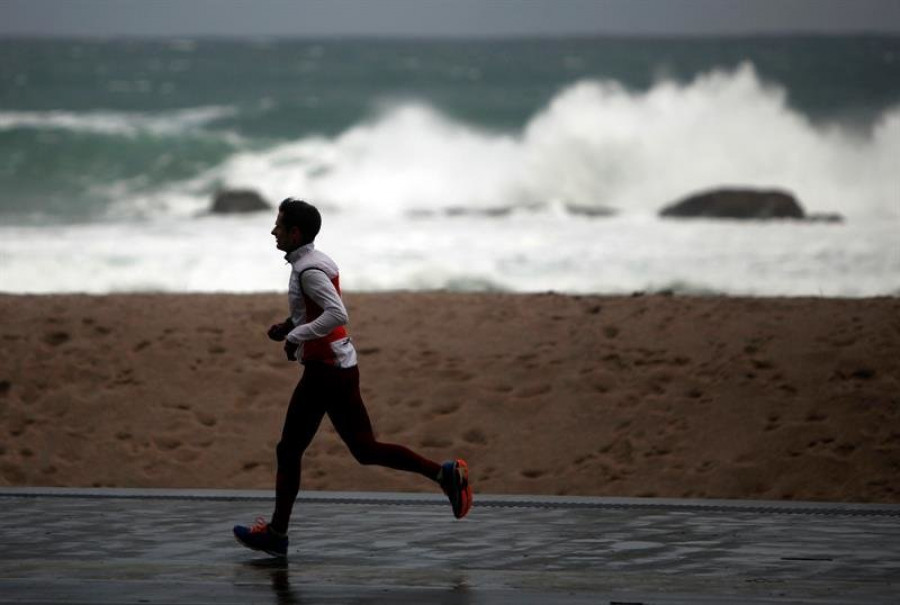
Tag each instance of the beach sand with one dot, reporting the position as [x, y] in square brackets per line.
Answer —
[654, 396]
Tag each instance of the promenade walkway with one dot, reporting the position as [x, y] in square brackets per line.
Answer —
[175, 546]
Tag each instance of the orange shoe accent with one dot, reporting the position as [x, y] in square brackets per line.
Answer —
[466, 496]
[260, 526]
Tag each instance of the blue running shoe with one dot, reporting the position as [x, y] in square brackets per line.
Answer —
[261, 537]
[455, 483]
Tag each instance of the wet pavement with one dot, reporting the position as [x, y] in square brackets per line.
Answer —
[172, 546]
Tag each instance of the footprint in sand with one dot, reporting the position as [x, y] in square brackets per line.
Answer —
[12, 473]
[891, 440]
[55, 339]
[532, 473]
[125, 377]
[533, 391]
[167, 443]
[787, 388]
[447, 408]
[186, 456]
[601, 387]
[528, 360]
[694, 393]
[205, 418]
[475, 436]
[19, 425]
[762, 364]
[678, 425]
[209, 330]
[744, 459]
[455, 375]
[436, 442]
[615, 360]
[706, 466]
[583, 459]
[844, 449]
[657, 452]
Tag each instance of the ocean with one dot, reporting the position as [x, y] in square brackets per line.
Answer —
[467, 165]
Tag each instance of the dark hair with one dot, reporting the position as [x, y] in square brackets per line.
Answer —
[303, 215]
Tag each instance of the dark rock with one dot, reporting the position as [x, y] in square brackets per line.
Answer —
[590, 211]
[498, 212]
[736, 204]
[231, 201]
[824, 217]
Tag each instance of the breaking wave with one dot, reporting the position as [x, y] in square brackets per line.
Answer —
[595, 146]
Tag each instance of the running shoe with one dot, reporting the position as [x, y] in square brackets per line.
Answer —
[260, 537]
[455, 483]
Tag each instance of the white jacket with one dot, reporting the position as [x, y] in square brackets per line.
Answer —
[317, 310]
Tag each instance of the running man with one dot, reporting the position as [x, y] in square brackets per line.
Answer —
[316, 334]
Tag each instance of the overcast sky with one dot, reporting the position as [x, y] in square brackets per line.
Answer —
[431, 18]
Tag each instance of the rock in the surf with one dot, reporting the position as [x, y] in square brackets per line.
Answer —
[825, 217]
[737, 204]
[232, 201]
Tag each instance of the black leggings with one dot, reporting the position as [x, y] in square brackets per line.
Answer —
[334, 391]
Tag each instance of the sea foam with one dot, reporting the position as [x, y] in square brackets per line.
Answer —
[524, 252]
[116, 123]
[596, 145]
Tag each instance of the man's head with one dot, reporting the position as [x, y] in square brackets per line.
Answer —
[298, 224]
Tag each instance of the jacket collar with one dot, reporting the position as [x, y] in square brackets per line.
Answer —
[298, 253]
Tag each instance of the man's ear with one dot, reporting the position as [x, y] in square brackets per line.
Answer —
[296, 234]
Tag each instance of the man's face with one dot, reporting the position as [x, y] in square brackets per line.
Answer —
[286, 239]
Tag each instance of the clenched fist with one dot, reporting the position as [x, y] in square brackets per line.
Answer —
[279, 332]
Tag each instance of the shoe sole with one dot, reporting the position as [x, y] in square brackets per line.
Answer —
[253, 548]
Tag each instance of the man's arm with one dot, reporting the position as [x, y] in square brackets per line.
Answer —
[319, 288]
